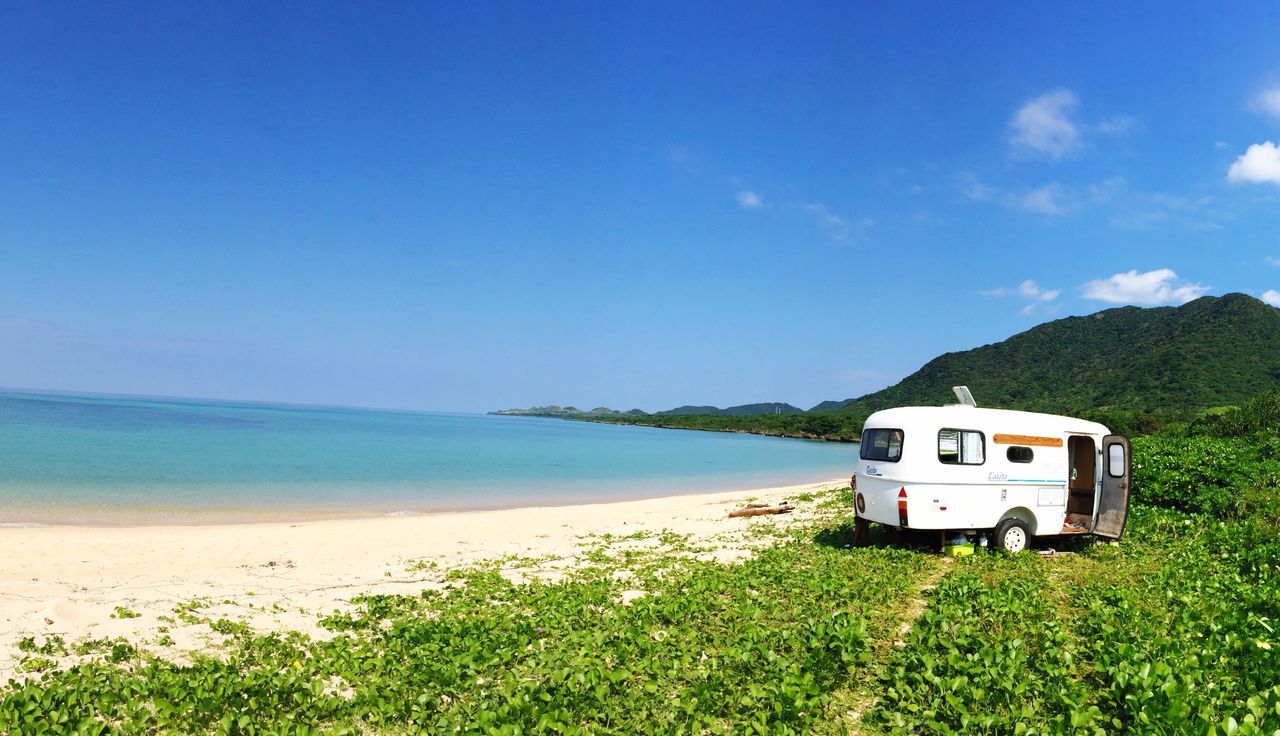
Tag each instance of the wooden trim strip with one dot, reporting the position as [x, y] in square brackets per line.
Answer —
[1022, 439]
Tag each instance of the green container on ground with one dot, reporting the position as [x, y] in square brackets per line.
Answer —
[958, 546]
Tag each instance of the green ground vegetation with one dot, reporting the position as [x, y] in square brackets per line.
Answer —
[1177, 630]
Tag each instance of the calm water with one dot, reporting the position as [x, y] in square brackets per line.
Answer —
[73, 459]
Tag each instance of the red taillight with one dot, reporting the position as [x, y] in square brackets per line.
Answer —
[902, 506]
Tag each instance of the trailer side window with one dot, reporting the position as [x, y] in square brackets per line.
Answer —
[1020, 454]
[884, 445]
[961, 447]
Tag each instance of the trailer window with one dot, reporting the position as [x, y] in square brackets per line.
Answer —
[881, 444]
[1115, 460]
[1019, 454]
[961, 447]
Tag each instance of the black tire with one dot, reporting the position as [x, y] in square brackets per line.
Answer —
[861, 532]
[1012, 535]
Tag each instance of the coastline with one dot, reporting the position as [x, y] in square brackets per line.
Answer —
[744, 424]
[104, 582]
[485, 499]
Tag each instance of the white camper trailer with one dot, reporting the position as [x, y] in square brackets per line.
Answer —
[1012, 475]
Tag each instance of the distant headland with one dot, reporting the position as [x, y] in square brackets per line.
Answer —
[570, 412]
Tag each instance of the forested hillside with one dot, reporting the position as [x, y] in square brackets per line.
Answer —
[1130, 367]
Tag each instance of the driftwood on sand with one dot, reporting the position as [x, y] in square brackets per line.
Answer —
[759, 509]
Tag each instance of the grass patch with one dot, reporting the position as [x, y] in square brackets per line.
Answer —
[1171, 633]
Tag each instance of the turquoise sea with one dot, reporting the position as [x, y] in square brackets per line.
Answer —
[71, 459]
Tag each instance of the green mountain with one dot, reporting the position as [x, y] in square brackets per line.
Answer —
[733, 411]
[1208, 352]
[1131, 368]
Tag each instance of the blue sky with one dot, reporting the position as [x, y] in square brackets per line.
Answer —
[466, 208]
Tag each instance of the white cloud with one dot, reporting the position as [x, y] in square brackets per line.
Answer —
[1107, 190]
[836, 226]
[1045, 127]
[1271, 261]
[1272, 297]
[1139, 220]
[1117, 125]
[1161, 286]
[1029, 290]
[1126, 207]
[1259, 164]
[1047, 200]
[1152, 210]
[974, 190]
[1268, 101]
[1051, 199]
[1038, 299]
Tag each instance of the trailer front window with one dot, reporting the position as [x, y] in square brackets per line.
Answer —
[961, 447]
[884, 445]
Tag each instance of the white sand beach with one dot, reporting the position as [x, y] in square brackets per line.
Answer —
[70, 581]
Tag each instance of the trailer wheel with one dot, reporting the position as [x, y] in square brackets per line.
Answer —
[1012, 535]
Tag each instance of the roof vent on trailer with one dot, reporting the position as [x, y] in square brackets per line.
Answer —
[963, 396]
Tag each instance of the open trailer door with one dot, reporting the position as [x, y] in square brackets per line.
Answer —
[1113, 502]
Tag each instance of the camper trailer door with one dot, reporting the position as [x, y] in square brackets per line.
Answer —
[1113, 501]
